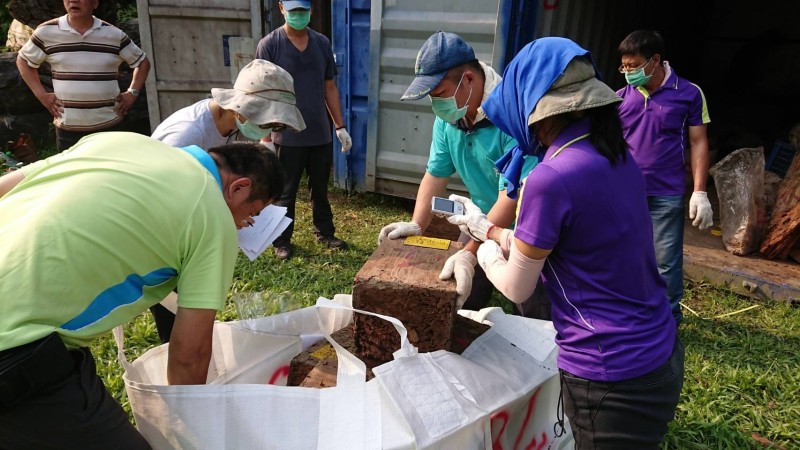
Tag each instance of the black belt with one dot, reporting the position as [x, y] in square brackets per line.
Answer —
[27, 369]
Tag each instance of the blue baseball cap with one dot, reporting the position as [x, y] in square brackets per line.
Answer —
[440, 53]
[290, 5]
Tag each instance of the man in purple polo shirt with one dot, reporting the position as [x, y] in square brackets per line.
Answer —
[584, 226]
[663, 116]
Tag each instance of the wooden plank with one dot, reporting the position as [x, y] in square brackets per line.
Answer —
[705, 258]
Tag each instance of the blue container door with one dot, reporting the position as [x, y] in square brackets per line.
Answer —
[350, 29]
[521, 16]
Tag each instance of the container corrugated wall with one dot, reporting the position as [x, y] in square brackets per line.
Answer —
[399, 133]
[351, 28]
[596, 25]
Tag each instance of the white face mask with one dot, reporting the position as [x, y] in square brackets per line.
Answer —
[251, 130]
[447, 108]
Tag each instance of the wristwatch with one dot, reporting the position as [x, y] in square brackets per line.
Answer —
[134, 92]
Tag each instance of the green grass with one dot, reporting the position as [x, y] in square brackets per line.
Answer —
[742, 371]
[742, 374]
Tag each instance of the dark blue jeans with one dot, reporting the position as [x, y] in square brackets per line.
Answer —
[630, 414]
[667, 214]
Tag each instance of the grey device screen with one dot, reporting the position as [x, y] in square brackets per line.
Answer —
[443, 204]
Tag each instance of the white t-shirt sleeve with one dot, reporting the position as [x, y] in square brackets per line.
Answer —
[182, 134]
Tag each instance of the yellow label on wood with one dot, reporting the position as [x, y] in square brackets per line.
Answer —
[326, 352]
[428, 242]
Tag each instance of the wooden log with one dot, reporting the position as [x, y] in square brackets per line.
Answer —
[782, 232]
[784, 235]
[795, 254]
[402, 281]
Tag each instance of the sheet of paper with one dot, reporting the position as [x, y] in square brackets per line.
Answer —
[267, 226]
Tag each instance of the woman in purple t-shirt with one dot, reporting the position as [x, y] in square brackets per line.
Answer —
[584, 225]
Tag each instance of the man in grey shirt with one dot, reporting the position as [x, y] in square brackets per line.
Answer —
[308, 57]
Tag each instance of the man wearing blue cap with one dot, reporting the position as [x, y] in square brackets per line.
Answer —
[464, 142]
[308, 57]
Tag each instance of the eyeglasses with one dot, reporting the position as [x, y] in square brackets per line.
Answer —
[628, 69]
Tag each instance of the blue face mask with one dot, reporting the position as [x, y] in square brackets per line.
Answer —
[298, 20]
[252, 131]
[447, 108]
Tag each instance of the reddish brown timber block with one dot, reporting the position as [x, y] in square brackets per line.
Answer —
[442, 229]
[316, 367]
[402, 281]
[465, 332]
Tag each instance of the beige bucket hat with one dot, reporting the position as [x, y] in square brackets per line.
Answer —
[575, 90]
[263, 93]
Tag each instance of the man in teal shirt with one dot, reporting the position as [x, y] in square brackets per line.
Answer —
[464, 142]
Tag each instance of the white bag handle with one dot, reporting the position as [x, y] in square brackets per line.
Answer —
[119, 338]
[351, 370]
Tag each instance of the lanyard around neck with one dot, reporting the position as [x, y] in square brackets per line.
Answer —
[567, 145]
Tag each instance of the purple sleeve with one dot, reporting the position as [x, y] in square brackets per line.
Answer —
[546, 208]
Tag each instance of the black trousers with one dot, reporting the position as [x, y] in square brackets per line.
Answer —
[316, 161]
[631, 414]
[73, 412]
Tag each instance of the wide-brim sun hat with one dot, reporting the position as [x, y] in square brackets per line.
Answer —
[577, 89]
[263, 93]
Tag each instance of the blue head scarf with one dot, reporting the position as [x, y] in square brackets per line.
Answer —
[526, 79]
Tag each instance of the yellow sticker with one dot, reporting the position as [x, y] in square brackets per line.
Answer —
[326, 352]
[428, 242]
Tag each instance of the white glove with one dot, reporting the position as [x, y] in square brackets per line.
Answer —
[700, 210]
[344, 138]
[473, 222]
[399, 229]
[462, 266]
[488, 253]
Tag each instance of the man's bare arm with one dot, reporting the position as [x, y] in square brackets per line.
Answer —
[190, 346]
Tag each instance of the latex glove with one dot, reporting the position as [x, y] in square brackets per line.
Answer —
[344, 138]
[700, 210]
[488, 253]
[398, 230]
[461, 266]
[473, 222]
